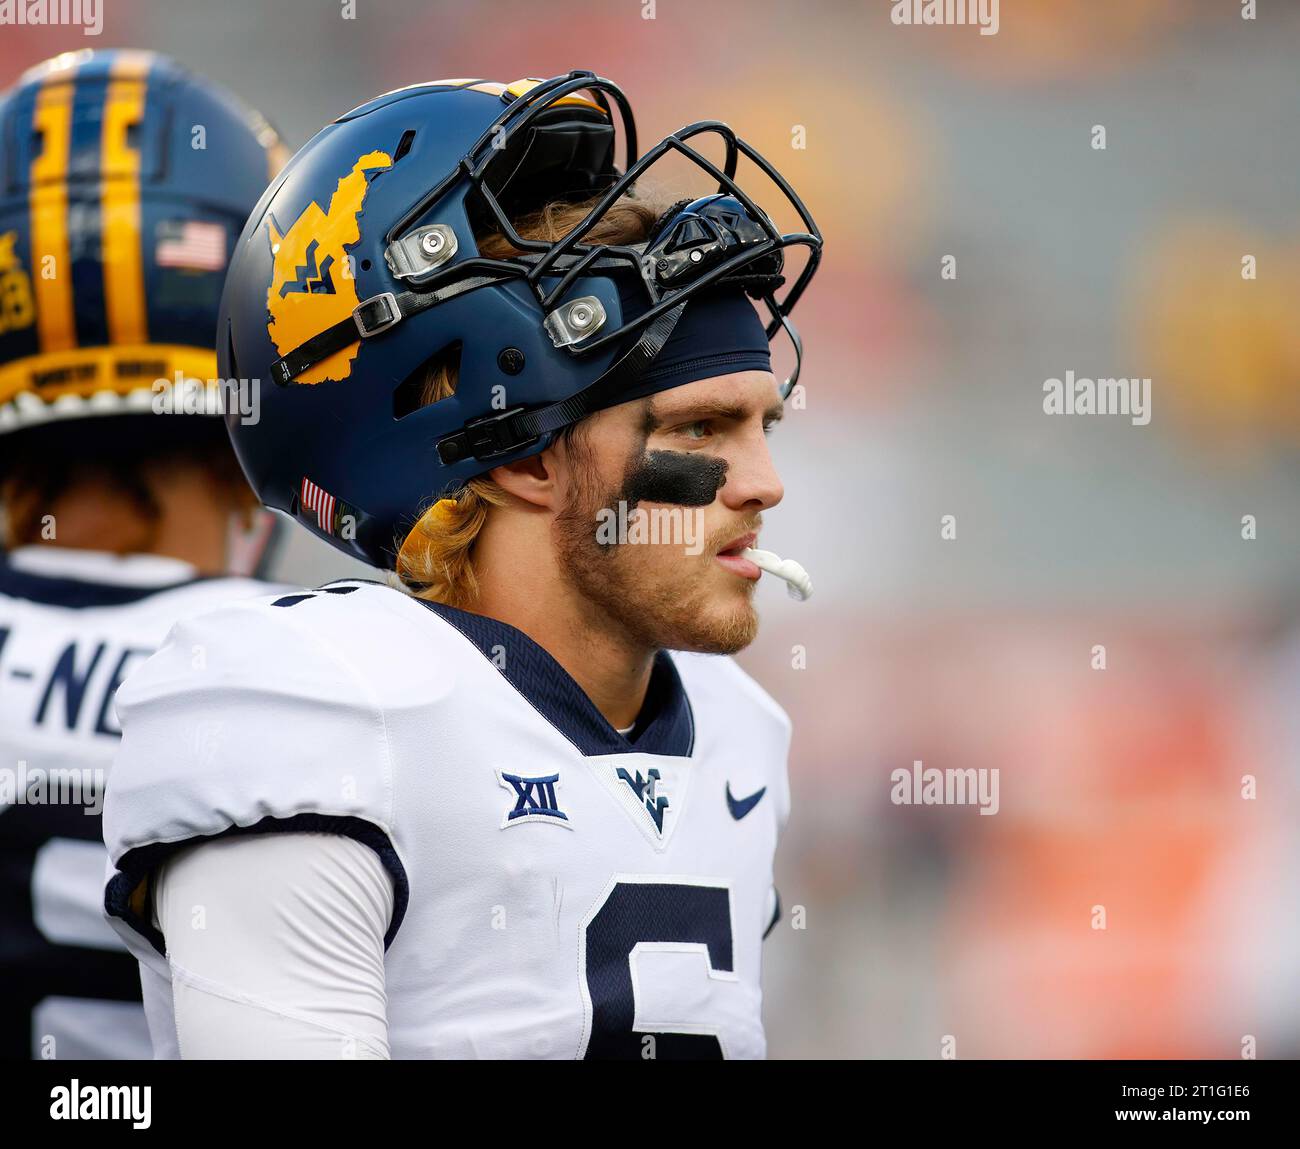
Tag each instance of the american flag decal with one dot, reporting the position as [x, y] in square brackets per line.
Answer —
[314, 498]
[191, 245]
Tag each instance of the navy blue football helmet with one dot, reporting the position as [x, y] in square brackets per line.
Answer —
[124, 184]
[360, 266]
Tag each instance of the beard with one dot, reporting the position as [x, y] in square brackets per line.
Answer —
[675, 603]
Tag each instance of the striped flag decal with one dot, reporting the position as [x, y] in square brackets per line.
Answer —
[314, 498]
[191, 245]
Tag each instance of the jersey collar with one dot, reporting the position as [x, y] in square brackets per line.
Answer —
[101, 566]
[665, 725]
[65, 576]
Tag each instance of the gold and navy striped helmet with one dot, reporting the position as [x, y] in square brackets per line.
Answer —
[124, 184]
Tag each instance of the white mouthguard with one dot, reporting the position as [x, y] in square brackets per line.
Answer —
[799, 584]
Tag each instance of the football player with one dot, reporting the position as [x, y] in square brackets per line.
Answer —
[530, 809]
[124, 183]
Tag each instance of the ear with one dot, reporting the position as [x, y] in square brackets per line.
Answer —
[534, 480]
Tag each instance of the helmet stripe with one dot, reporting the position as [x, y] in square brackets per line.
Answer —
[52, 118]
[85, 176]
[523, 87]
[123, 255]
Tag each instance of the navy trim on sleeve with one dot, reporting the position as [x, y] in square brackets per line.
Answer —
[140, 863]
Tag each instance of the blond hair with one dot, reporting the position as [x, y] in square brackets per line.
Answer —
[436, 559]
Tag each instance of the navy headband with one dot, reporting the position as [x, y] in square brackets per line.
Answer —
[719, 333]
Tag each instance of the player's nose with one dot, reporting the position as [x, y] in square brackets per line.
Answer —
[753, 483]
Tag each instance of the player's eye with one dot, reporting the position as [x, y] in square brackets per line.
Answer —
[699, 430]
[768, 425]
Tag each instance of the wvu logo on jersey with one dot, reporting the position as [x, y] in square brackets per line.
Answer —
[534, 800]
[307, 292]
[644, 789]
[16, 309]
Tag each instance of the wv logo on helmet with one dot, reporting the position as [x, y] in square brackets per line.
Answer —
[314, 280]
[307, 294]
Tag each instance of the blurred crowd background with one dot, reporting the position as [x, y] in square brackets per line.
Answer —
[1119, 788]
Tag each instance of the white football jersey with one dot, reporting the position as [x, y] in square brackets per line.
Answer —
[562, 890]
[73, 624]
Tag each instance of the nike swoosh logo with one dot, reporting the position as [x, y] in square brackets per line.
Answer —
[739, 807]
